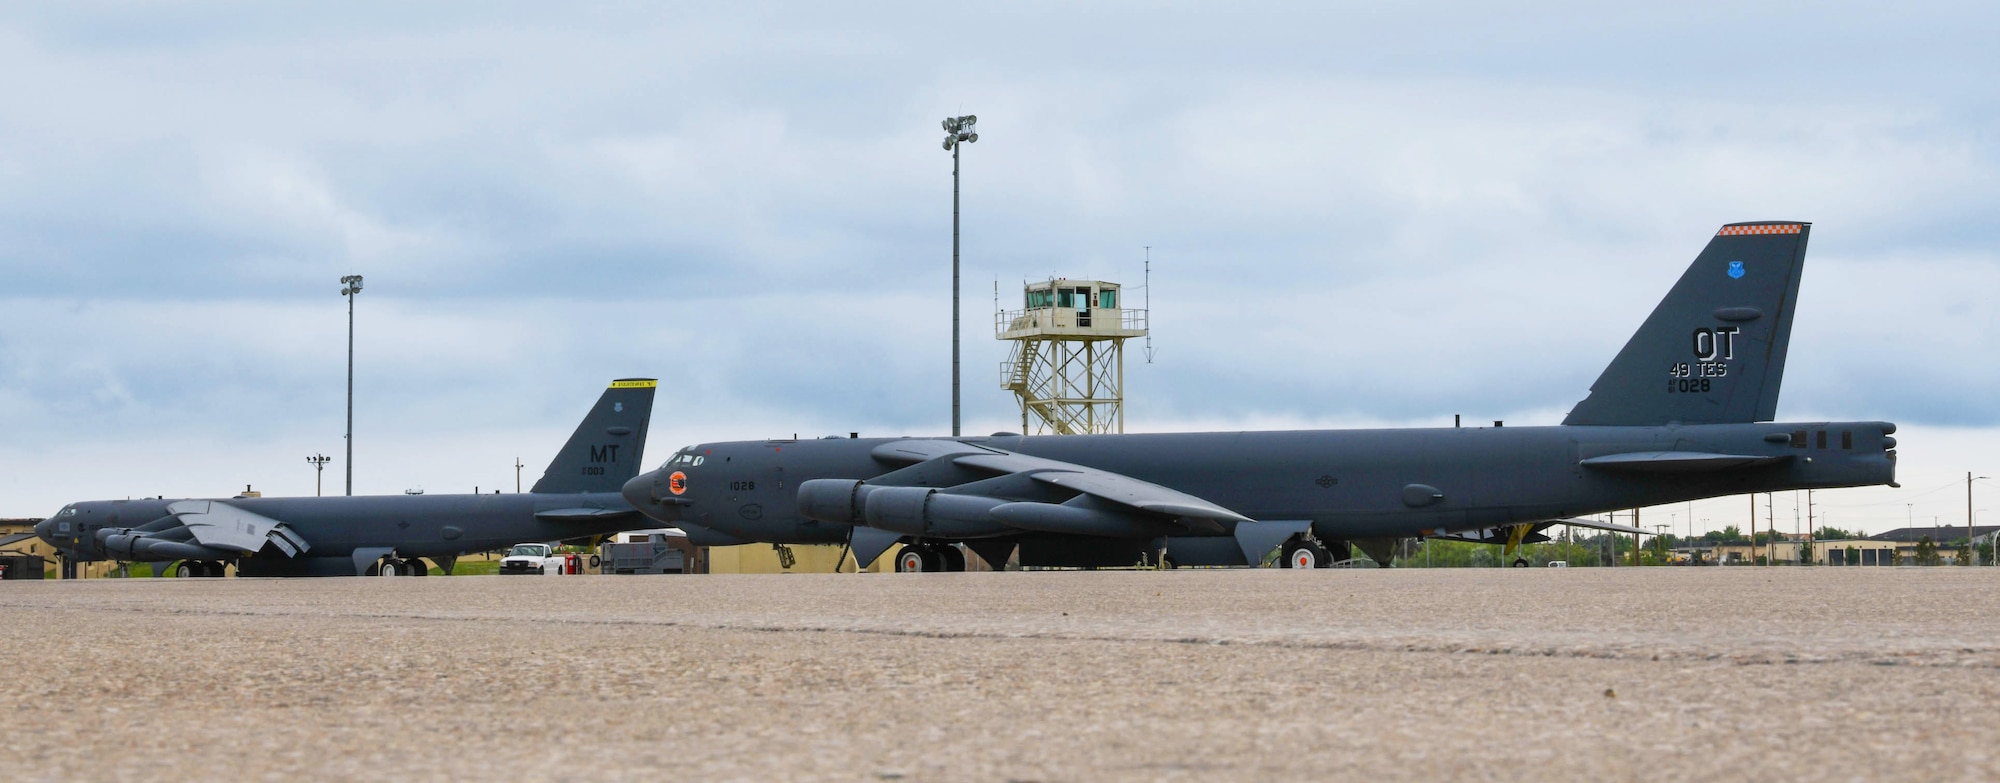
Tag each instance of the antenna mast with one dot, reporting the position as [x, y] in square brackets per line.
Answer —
[1148, 286]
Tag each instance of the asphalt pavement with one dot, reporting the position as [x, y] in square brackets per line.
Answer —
[1491, 674]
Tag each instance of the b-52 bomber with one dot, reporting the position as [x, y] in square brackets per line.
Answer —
[1685, 411]
[387, 535]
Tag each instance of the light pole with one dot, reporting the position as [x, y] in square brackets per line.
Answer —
[958, 131]
[319, 471]
[351, 285]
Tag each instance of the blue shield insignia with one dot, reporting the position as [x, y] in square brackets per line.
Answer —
[1736, 269]
[619, 407]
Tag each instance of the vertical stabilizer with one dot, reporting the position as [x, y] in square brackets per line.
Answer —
[1713, 352]
[604, 451]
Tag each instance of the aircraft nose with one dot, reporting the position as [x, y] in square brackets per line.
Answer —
[648, 493]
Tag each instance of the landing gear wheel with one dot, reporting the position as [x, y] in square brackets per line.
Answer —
[1306, 554]
[912, 559]
[214, 568]
[187, 570]
[388, 567]
[417, 567]
[1520, 562]
[951, 558]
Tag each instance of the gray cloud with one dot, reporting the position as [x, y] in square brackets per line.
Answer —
[1364, 213]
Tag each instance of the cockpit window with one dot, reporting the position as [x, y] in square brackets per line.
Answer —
[685, 458]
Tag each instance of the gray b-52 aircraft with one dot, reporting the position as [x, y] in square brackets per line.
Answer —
[387, 535]
[1682, 413]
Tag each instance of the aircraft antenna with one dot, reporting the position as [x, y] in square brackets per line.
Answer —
[1147, 285]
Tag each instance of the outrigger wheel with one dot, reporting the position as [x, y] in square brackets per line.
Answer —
[1520, 562]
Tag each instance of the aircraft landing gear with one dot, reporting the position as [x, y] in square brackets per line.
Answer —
[1520, 562]
[1305, 553]
[189, 569]
[388, 566]
[417, 567]
[916, 558]
[921, 558]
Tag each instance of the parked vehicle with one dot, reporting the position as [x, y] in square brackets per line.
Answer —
[531, 559]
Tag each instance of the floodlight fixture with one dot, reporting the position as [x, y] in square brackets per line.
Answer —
[958, 132]
[351, 285]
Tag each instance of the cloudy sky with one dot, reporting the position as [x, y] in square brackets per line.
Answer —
[1360, 214]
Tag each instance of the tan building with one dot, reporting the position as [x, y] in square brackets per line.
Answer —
[806, 559]
[1867, 552]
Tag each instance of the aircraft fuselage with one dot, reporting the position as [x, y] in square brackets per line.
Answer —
[429, 526]
[1351, 484]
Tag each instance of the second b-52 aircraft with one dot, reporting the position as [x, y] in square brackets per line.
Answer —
[386, 535]
[1685, 411]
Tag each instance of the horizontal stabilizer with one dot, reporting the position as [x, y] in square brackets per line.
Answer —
[1679, 461]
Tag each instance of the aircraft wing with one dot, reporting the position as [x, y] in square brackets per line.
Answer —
[1117, 488]
[201, 530]
[222, 526]
[1498, 534]
[1592, 523]
[1061, 478]
[968, 491]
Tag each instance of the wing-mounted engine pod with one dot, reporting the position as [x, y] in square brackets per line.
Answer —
[898, 509]
[835, 501]
[925, 512]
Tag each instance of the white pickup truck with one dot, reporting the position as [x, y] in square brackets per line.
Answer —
[531, 559]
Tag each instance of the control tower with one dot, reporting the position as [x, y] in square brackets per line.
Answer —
[1068, 363]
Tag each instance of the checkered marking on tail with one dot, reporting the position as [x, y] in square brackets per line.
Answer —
[1773, 228]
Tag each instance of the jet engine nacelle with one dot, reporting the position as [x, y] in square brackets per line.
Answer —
[928, 513]
[140, 547]
[836, 501]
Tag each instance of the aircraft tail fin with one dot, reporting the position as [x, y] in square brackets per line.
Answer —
[605, 450]
[1713, 351]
